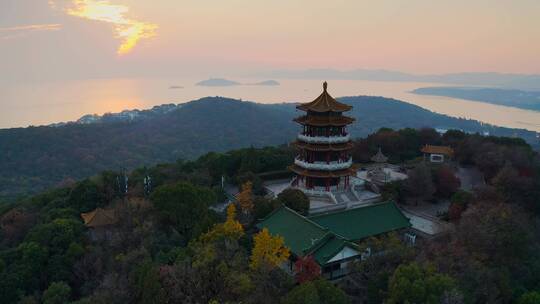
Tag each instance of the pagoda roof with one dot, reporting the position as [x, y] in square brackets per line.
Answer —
[320, 173]
[323, 236]
[379, 157]
[323, 147]
[99, 217]
[324, 103]
[445, 150]
[322, 121]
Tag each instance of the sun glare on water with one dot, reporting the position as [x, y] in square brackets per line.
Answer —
[128, 30]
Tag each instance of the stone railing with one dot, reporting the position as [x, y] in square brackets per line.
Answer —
[317, 191]
[324, 139]
[324, 165]
[328, 208]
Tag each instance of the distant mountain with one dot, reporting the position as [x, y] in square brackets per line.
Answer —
[36, 158]
[221, 82]
[513, 98]
[217, 82]
[265, 83]
[516, 81]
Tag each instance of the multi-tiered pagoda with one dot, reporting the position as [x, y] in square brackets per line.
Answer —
[324, 162]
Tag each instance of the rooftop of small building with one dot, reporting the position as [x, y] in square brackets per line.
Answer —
[445, 150]
[99, 217]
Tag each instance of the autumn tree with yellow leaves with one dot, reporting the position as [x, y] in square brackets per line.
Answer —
[245, 197]
[268, 251]
[231, 229]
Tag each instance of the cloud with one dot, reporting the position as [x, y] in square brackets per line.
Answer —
[130, 31]
[23, 30]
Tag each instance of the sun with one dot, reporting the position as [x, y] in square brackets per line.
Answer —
[130, 31]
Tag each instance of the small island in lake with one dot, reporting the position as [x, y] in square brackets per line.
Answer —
[266, 83]
[217, 82]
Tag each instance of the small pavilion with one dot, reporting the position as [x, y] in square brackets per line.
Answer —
[99, 221]
[379, 158]
[437, 154]
[99, 218]
[377, 172]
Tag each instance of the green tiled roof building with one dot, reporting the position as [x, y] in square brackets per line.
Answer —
[332, 238]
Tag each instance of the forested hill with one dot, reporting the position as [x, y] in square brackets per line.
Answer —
[36, 158]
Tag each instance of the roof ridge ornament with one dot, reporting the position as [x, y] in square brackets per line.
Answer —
[325, 85]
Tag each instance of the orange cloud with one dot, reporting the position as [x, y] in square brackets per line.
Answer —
[18, 31]
[128, 30]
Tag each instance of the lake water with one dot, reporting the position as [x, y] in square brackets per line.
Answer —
[37, 104]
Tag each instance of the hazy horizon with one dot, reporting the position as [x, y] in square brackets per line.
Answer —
[46, 44]
[81, 39]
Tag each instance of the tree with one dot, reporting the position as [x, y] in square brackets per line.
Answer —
[330, 294]
[15, 224]
[306, 269]
[315, 292]
[412, 283]
[373, 273]
[429, 136]
[458, 203]
[490, 254]
[419, 184]
[268, 251]
[257, 186]
[245, 198]
[304, 293]
[518, 189]
[264, 206]
[28, 300]
[295, 199]
[86, 196]
[446, 181]
[532, 297]
[455, 210]
[145, 280]
[231, 229]
[185, 206]
[57, 293]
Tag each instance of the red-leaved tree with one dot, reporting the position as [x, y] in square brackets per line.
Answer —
[306, 269]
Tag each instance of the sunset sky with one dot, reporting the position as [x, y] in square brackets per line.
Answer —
[78, 39]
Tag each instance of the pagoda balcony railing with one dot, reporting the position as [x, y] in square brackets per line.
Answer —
[325, 166]
[324, 139]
